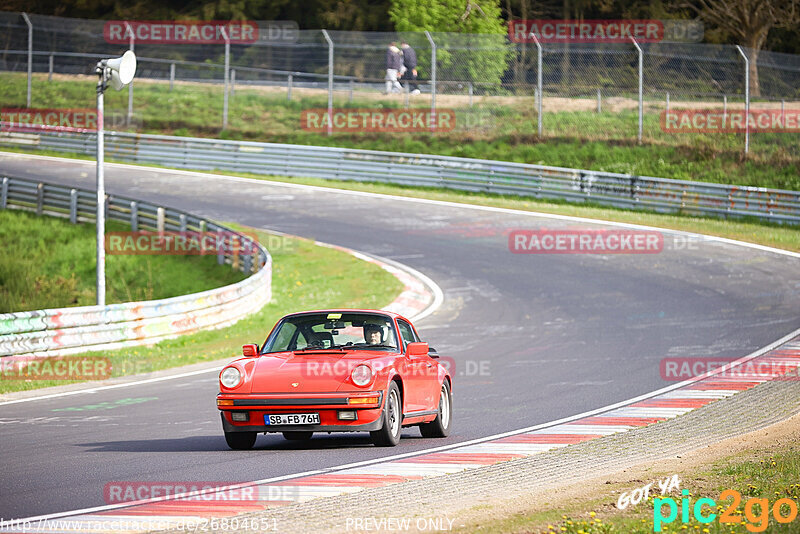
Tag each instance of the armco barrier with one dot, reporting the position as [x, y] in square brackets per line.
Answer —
[71, 330]
[539, 181]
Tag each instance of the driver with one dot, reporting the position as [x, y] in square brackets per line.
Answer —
[372, 334]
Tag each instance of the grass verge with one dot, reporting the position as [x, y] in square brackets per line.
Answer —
[305, 276]
[501, 128]
[766, 472]
[49, 263]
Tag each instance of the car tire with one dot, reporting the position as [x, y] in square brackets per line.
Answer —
[440, 427]
[240, 441]
[389, 434]
[298, 435]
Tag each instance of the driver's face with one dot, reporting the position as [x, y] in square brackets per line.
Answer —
[373, 337]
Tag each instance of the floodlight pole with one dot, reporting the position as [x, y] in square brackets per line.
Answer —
[101, 191]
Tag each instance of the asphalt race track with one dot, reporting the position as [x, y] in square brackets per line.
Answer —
[535, 337]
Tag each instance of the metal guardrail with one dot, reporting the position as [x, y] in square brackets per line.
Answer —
[486, 176]
[79, 329]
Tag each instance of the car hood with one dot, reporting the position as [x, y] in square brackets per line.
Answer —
[309, 372]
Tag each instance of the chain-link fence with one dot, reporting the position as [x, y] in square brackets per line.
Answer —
[490, 86]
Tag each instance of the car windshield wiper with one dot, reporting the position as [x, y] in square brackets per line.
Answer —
[334, 347]
[378, 346]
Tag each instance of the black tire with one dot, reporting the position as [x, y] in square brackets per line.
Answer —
[298, 435]
[389, 433]
[240, 441]
[440, 427]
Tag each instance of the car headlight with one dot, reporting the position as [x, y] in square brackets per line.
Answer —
[230, 377]
[361, 375]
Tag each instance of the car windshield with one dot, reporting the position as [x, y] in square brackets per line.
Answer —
[332, 330]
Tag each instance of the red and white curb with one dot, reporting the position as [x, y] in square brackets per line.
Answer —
[188, 510]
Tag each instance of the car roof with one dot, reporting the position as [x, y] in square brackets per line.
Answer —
[351, 310]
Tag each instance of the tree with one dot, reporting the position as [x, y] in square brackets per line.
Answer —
[749, 21]
[482, 56]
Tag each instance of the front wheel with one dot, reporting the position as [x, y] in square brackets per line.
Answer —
[389, 434]
[240, 441]
[440, 427]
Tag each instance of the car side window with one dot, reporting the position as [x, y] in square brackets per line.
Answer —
[407, 333]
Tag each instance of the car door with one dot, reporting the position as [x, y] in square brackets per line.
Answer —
[422, 379]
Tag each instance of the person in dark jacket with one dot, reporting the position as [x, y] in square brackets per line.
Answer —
[394, 62]
[410, 67]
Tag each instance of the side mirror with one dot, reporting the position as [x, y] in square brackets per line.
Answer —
[432, 352]
[250, 350]
[417, 349]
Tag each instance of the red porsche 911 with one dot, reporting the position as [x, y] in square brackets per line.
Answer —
[336, 371]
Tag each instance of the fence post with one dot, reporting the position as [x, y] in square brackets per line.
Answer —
[30, 54]
[225, 75]
[599, 101]
[433, 78]
[350, 98]
[641, 75]
[469, 86]
[289, 87]
[330, 80]
[73, 206]
[724, 108]
[233, 82]
[746, 100]
[4, 194]
[130, 85]
[50, 68]
[667, 102]
[134, 216]
[538, 83]
[171, 75]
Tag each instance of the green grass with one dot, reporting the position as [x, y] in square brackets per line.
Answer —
[503, 129]
[49, 263]
[762, 474]
[305, 276]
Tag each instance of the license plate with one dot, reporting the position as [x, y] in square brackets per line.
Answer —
[292, 419]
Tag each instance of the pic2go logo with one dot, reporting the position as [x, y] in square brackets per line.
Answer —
[758, 520]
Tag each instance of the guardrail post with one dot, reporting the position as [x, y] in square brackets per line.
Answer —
[330, 80]
[4, 194]
[289, 87]
[171, 75]
[50, 69]
[134, 216]
[73, 206]
[159, 219]
[746, 99]
[221, 246]
[39, 198]
[202, 226]
[182, 220]
[635, 189]
[641, 76]
[247, 259]
[30, 55]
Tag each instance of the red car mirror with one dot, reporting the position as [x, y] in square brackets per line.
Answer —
[417, 349]
[250, 350]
